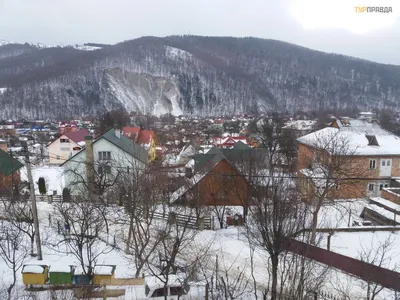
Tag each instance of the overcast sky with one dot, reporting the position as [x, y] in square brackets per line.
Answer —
[327, 25]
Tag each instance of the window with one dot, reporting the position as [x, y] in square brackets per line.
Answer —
[58, 157]
[104, 169]
[370, 187]
[372, 163]
[147, 290]
[388, 163]
[177, 290]
[64, 140]
[383, 163]
[64, 149]
[104, 155]
[160, 292]
[380, 187]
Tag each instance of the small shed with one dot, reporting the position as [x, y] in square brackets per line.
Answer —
[79, 277]
[34, 274]
[61, 274]
[103, 274]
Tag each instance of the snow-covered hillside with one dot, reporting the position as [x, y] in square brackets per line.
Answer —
[203, 76]
[143, 92]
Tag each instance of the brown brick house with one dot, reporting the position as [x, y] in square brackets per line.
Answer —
[359, 158]
[219, 178]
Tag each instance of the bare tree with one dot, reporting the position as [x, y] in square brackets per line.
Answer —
[106, 175]
[81, 226]
[277, 215]
[178, 251]
[143, 195]
[226, 281]
[13, 251]
[19, 214]
[379, 255]
[329, 168]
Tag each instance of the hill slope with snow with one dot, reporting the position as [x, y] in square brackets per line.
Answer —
[189, 74]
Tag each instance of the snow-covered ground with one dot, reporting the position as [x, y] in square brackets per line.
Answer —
[229, 246]
[341, 213]
[53, 177]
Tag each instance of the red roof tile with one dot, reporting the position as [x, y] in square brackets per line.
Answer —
[77, 136]
[131, 132]
[145, 136]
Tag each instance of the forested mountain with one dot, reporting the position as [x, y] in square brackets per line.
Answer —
[190, 75]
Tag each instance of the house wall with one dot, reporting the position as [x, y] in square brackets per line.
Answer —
[75, 168]
[60, 152]
[7, 182]
[390, 196]
[223, 190]
[358, 167]
[152, 151]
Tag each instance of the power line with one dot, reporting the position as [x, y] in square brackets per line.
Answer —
[277, 176]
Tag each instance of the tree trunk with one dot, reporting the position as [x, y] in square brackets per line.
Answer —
[274, 283]
[128, 241]
[11, 286]
[314, 227]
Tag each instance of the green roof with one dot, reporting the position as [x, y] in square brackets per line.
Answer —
[126, 145]
[8, 164]
[241, 146]
[238, 154]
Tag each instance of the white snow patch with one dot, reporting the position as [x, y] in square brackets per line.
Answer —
[33, 269]
[172, 52]
[53, 176]
[2, 90]
[86, 48]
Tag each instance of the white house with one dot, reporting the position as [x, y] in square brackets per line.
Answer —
[66, 145]
[104, 159]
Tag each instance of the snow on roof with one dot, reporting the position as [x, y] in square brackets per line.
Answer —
[154, 282]
[103, 270]
[59, 268]
[386, 203]
[183, 189]
[354, 140]
[190, 164]
[384, 212]
[35, 269]
[301, 124]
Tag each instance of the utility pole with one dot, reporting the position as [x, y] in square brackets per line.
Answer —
[33, 200]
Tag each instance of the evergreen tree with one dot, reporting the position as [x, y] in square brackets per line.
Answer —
[42, 186]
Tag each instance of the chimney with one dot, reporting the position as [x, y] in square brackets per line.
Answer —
[118, 133]
[89, 163]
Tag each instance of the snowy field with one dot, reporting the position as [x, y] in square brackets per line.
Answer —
[229, 248]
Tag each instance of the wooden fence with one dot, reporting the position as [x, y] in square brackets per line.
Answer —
[363, 270]
[186, 220]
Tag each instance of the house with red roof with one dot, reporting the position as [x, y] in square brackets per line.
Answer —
[145, 138]
[228, 141]
[66, 146]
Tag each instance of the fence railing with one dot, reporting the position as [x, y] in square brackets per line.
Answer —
[179, 219]
[186, 220]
